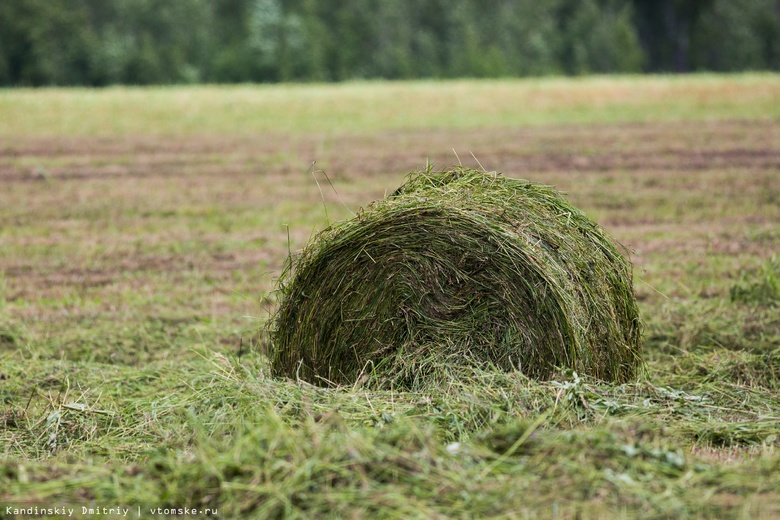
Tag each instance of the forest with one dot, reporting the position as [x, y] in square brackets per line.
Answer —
[106, 42]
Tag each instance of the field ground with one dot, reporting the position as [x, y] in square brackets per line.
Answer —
[141, 232]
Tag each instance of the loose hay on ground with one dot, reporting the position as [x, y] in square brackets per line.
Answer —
[457, 270]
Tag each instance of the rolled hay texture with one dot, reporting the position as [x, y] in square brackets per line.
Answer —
[457, 269]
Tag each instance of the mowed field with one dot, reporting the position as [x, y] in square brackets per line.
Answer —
[142, 230]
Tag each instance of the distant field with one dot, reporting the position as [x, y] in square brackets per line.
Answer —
[141, 231]
[376, 106]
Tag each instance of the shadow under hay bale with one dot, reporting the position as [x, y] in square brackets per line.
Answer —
[455, 271]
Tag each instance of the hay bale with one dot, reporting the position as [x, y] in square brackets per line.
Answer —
[457, 269]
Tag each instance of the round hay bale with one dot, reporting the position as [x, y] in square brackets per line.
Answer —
[457, 269]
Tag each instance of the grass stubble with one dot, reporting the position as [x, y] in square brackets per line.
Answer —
[129, 375]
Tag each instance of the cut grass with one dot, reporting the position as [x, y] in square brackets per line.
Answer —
[128, 373]
[498, 444]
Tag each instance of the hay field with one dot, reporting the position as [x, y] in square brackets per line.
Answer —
[141, 231]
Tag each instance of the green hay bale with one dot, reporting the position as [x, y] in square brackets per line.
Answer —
[457, 270]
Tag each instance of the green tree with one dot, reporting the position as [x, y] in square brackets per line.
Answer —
[598, 36]
[43, 42]
[394, 29]
[666, 28]
[149, 41]
[528, 35]
[738, 35]
[505, 37]
[101, 42]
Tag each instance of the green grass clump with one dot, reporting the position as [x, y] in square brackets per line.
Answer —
[457, 269]
[761, 288]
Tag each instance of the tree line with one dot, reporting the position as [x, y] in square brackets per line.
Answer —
[104, 42]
